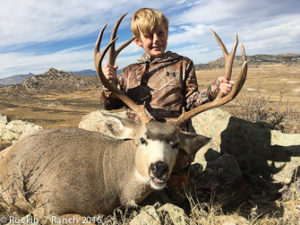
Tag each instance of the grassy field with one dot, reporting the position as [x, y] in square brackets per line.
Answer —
[272, 81]
[50, 109]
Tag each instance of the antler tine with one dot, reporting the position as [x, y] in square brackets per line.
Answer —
[112, 53]
[217, 102]
[228, 58]
[98, 58]
[97, 54]
[243, 53]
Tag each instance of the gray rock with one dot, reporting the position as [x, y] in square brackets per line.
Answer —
[147, 216]
[173, 214]
[258, 151]
[12, 131]
[158, 215]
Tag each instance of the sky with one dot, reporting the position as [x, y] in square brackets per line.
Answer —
[36, 35]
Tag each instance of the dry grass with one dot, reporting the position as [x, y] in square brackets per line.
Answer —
[50, 109]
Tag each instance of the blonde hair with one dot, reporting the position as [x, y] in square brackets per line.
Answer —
[145, 20]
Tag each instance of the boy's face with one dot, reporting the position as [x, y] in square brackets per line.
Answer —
[156, 44]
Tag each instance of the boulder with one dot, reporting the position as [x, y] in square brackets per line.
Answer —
[11, 131]
[158, 215]
[257, 149]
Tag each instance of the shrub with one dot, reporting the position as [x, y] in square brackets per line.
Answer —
[277, 115]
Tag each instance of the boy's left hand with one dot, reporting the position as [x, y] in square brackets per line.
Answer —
[225, 85]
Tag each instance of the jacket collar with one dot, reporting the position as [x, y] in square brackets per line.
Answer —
[166, 57]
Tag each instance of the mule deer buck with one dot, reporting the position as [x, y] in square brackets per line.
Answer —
[75, 171]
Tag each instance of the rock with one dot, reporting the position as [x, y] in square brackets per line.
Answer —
[158, 215]
[21, 128]
[259, 151]
[173, 214]
[147, 216]
[12, 131]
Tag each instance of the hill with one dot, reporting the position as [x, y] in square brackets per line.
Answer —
[286, 59]
[85, 72]
[54, 81]
[59, 81]
[15, 79]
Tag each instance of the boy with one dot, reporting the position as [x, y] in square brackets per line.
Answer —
[163, 81]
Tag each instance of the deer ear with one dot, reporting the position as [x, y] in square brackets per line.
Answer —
[110, 124]
[120, 127]
[191, 143]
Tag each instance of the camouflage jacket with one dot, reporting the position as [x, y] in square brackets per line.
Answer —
[164, 84]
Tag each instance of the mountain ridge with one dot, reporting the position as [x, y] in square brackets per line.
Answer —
[259, 59]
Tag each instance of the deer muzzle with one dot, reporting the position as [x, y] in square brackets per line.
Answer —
[159, 173]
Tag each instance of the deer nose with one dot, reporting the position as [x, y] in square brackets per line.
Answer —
[159, 169]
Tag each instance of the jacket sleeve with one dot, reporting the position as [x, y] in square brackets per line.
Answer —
[194, 97]
[108, 100]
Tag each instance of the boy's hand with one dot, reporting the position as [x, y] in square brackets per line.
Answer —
[110, 72]
[225, 85]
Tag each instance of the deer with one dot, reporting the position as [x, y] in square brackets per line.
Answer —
[63, 171]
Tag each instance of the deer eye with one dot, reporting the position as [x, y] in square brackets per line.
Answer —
[174, 145]
[143, 141]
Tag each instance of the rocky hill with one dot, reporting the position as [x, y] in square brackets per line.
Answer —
[59, 81]
[55, 81]
[286, 59]
[17, 79]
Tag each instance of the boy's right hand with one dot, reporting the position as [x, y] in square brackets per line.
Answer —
[110, 72]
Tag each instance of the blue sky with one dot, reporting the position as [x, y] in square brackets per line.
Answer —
[38, 34]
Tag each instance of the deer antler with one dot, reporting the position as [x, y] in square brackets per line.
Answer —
[112, 55]
[228, 58]
[220, 100]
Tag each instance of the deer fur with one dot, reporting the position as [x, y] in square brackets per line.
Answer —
[71, 170]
